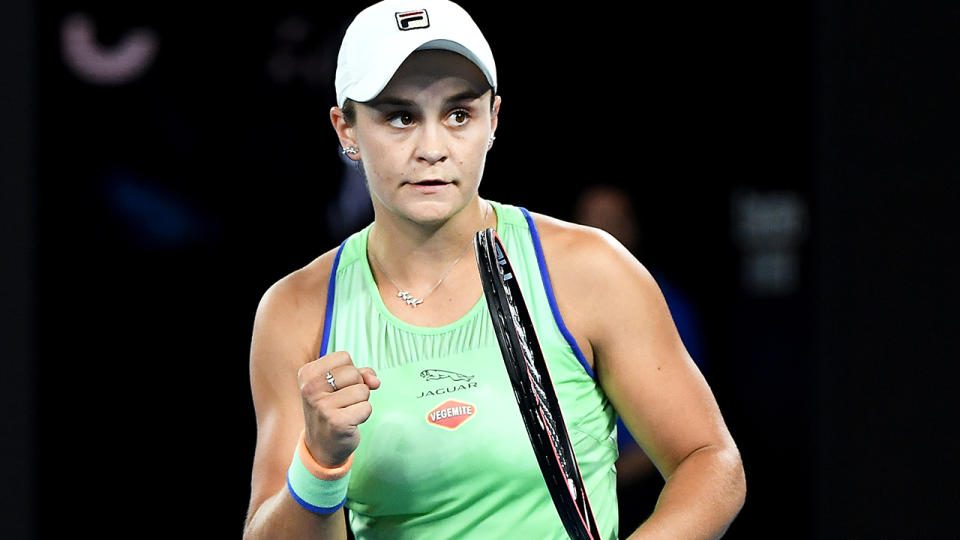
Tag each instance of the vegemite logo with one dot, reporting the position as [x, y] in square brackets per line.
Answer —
[436, 374]
[411, 20]
[451, 414]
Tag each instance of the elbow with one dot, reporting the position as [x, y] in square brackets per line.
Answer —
[250, 525]
[737, 480]
[732, 479]
[733, 493]
[247, 531]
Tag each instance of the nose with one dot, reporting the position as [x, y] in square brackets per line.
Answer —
[431, 148]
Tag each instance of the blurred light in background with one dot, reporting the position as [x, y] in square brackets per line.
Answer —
[769, 229]
[153, 214]
[98, 64]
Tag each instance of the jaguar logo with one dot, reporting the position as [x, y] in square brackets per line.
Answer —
[437, 374]
[459, 382]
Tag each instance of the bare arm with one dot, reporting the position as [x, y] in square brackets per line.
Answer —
[644, 369]
[291, 396]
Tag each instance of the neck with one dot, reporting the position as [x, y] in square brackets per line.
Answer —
[415, 254]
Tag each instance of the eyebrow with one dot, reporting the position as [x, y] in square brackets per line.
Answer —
[468, 95]
[393, 101]
[389, 101]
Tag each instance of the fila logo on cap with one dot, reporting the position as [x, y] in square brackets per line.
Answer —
[411, 20]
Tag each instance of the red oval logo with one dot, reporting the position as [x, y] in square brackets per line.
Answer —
[451, 414]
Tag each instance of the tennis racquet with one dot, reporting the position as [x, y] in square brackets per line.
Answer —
[533, 388]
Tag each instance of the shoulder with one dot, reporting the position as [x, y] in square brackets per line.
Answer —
[597, 282]
[294, 305]
[299, 289]
[587, 253]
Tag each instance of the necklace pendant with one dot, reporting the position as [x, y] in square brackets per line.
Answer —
[409, 299]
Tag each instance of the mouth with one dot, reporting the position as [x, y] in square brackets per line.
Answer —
[430, 186]
[430, 182]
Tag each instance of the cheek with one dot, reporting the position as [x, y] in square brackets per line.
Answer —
[380, 161]
[473, 159]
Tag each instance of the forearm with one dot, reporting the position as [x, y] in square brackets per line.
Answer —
[280, 517]
[700, 499]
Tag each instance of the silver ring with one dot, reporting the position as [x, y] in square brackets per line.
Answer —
[331, 381]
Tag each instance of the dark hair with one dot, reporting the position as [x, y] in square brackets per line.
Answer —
[350, 109]
[350, 112]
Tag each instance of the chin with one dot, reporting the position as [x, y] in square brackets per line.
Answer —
[432, 212]
[430, 216]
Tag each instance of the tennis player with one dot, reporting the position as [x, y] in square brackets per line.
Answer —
[376, 375]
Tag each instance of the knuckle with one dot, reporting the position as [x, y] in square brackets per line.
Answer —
[351, 377]
[345, 376]
[303, 374]
[340, 424]
[365, 411]
[310, 388]
[321, 406]
[338, 356]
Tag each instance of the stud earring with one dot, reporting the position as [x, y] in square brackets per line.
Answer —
[351, 150]
[490, 142]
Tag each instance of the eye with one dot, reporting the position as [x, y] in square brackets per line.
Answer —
[401, 120]
[459, 117]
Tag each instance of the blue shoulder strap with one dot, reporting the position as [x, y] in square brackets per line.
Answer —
[331, 291]
[545, 277]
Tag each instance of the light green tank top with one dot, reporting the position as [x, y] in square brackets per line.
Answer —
[445, 453]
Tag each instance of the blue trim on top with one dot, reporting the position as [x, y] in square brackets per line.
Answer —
[548, 287]
[331, 289]
[310, 507]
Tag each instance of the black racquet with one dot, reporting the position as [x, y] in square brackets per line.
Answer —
[533, 388]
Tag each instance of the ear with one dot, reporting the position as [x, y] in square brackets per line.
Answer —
[495, 115]
[345, 132]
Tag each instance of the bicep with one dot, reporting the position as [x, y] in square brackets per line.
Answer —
[277, 351]
[641, 362]
[653, 383]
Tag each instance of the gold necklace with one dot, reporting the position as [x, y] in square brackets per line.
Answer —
[404, 295]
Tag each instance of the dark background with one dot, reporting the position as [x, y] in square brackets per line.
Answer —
[143, 219]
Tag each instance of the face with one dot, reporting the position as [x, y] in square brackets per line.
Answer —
[423, 140]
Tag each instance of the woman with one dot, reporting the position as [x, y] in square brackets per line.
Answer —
[375, 366]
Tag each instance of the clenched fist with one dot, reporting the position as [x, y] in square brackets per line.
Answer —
[332, 412]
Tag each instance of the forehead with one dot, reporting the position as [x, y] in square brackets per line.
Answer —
[443, 70]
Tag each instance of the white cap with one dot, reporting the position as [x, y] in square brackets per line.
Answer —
[383, 35]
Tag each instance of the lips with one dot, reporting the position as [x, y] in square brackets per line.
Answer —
[430, 186]
[431, 182]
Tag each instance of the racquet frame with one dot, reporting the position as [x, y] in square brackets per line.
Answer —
[532, 386]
